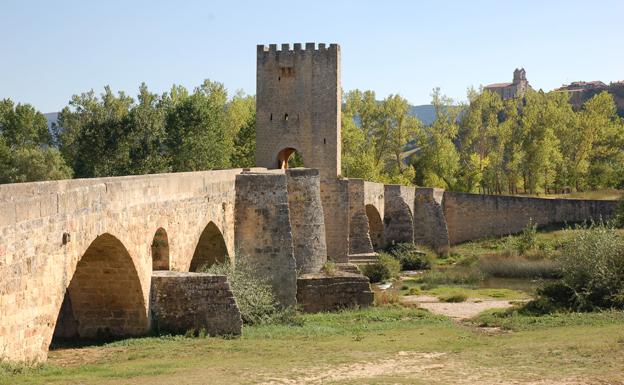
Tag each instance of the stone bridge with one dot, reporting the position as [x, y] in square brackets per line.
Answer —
[77, 256]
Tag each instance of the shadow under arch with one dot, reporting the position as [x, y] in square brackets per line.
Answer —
[104, 299]
[289, 157]
[210, 248]
[375, 227]
[160, 250]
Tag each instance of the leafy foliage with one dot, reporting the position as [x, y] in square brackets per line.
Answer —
[177, 131]
[592, 266]
[531, 145]
[386, 268]
[253, 294]
[374, 136]
[26, 152]
[411, 256]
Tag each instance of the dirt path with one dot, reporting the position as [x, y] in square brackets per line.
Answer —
[429, 368]
[458, 310]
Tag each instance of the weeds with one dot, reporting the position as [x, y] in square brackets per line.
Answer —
[386, 268]
[592, 268]
[412, 257]
[329, 269]
[519, 267]
[450, 276]
[386, 297]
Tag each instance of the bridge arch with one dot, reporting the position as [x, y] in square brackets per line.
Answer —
[375, 227]
[210, 249]
[104, 298]
[160, 250]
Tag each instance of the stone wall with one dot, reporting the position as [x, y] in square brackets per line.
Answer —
[430, 226]
[306, 219]
[263, 233]
[473, 216]
[317, 292]
[193, 301]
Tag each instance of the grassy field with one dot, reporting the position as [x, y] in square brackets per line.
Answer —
[382, 345]
[388, 345]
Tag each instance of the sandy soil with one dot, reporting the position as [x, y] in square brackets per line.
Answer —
[459, 310]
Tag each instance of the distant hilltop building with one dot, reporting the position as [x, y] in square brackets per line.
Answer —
[580, 92]
[516, 89]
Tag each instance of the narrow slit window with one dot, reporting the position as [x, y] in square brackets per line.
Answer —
[286, 117]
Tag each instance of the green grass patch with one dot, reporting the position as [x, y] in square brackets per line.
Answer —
[513, 319]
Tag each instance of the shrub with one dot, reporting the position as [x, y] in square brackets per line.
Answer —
[592, 267]
[527, 239]
[449, 276]
[253, 294]
[386, 297]
[387, 267]
[454, 297]
[519, 267]
[412, 257]
[414, 290]
[619, 215]
[329, 268]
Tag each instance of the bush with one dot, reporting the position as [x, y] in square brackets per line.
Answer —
[253, 294]
[329, 269]
[386, 297]
[592, 267]
[454, 298]
[527, 239]
[450, 276]
[412, 257]
[619, 215]
[518, 267]
[387, 267]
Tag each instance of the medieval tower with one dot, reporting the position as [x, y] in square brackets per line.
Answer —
[298, 106]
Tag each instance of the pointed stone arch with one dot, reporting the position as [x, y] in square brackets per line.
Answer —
[160, 250]
[210, 249]
[104, 298]
[375, 227]
[289, 157]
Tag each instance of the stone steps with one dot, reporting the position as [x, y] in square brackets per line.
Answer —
[363, 259]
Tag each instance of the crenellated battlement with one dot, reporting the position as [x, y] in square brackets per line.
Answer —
[297, 47]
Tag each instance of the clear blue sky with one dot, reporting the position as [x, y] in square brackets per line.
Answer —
[50, 50]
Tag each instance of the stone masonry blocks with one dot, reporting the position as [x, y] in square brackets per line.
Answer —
[193, 301]
[263, 233]
[306, 219]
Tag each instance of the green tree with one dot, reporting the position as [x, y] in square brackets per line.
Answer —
[241, 124]
[197, 134]
[375, 135]
[482, 141]
[438, 163]
[25, 146]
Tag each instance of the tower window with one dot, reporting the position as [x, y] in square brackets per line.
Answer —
[324, 141]
[271, 117]
[285, 116]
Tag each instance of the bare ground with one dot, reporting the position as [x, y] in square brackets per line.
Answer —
[425, 368]
[459, 310]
